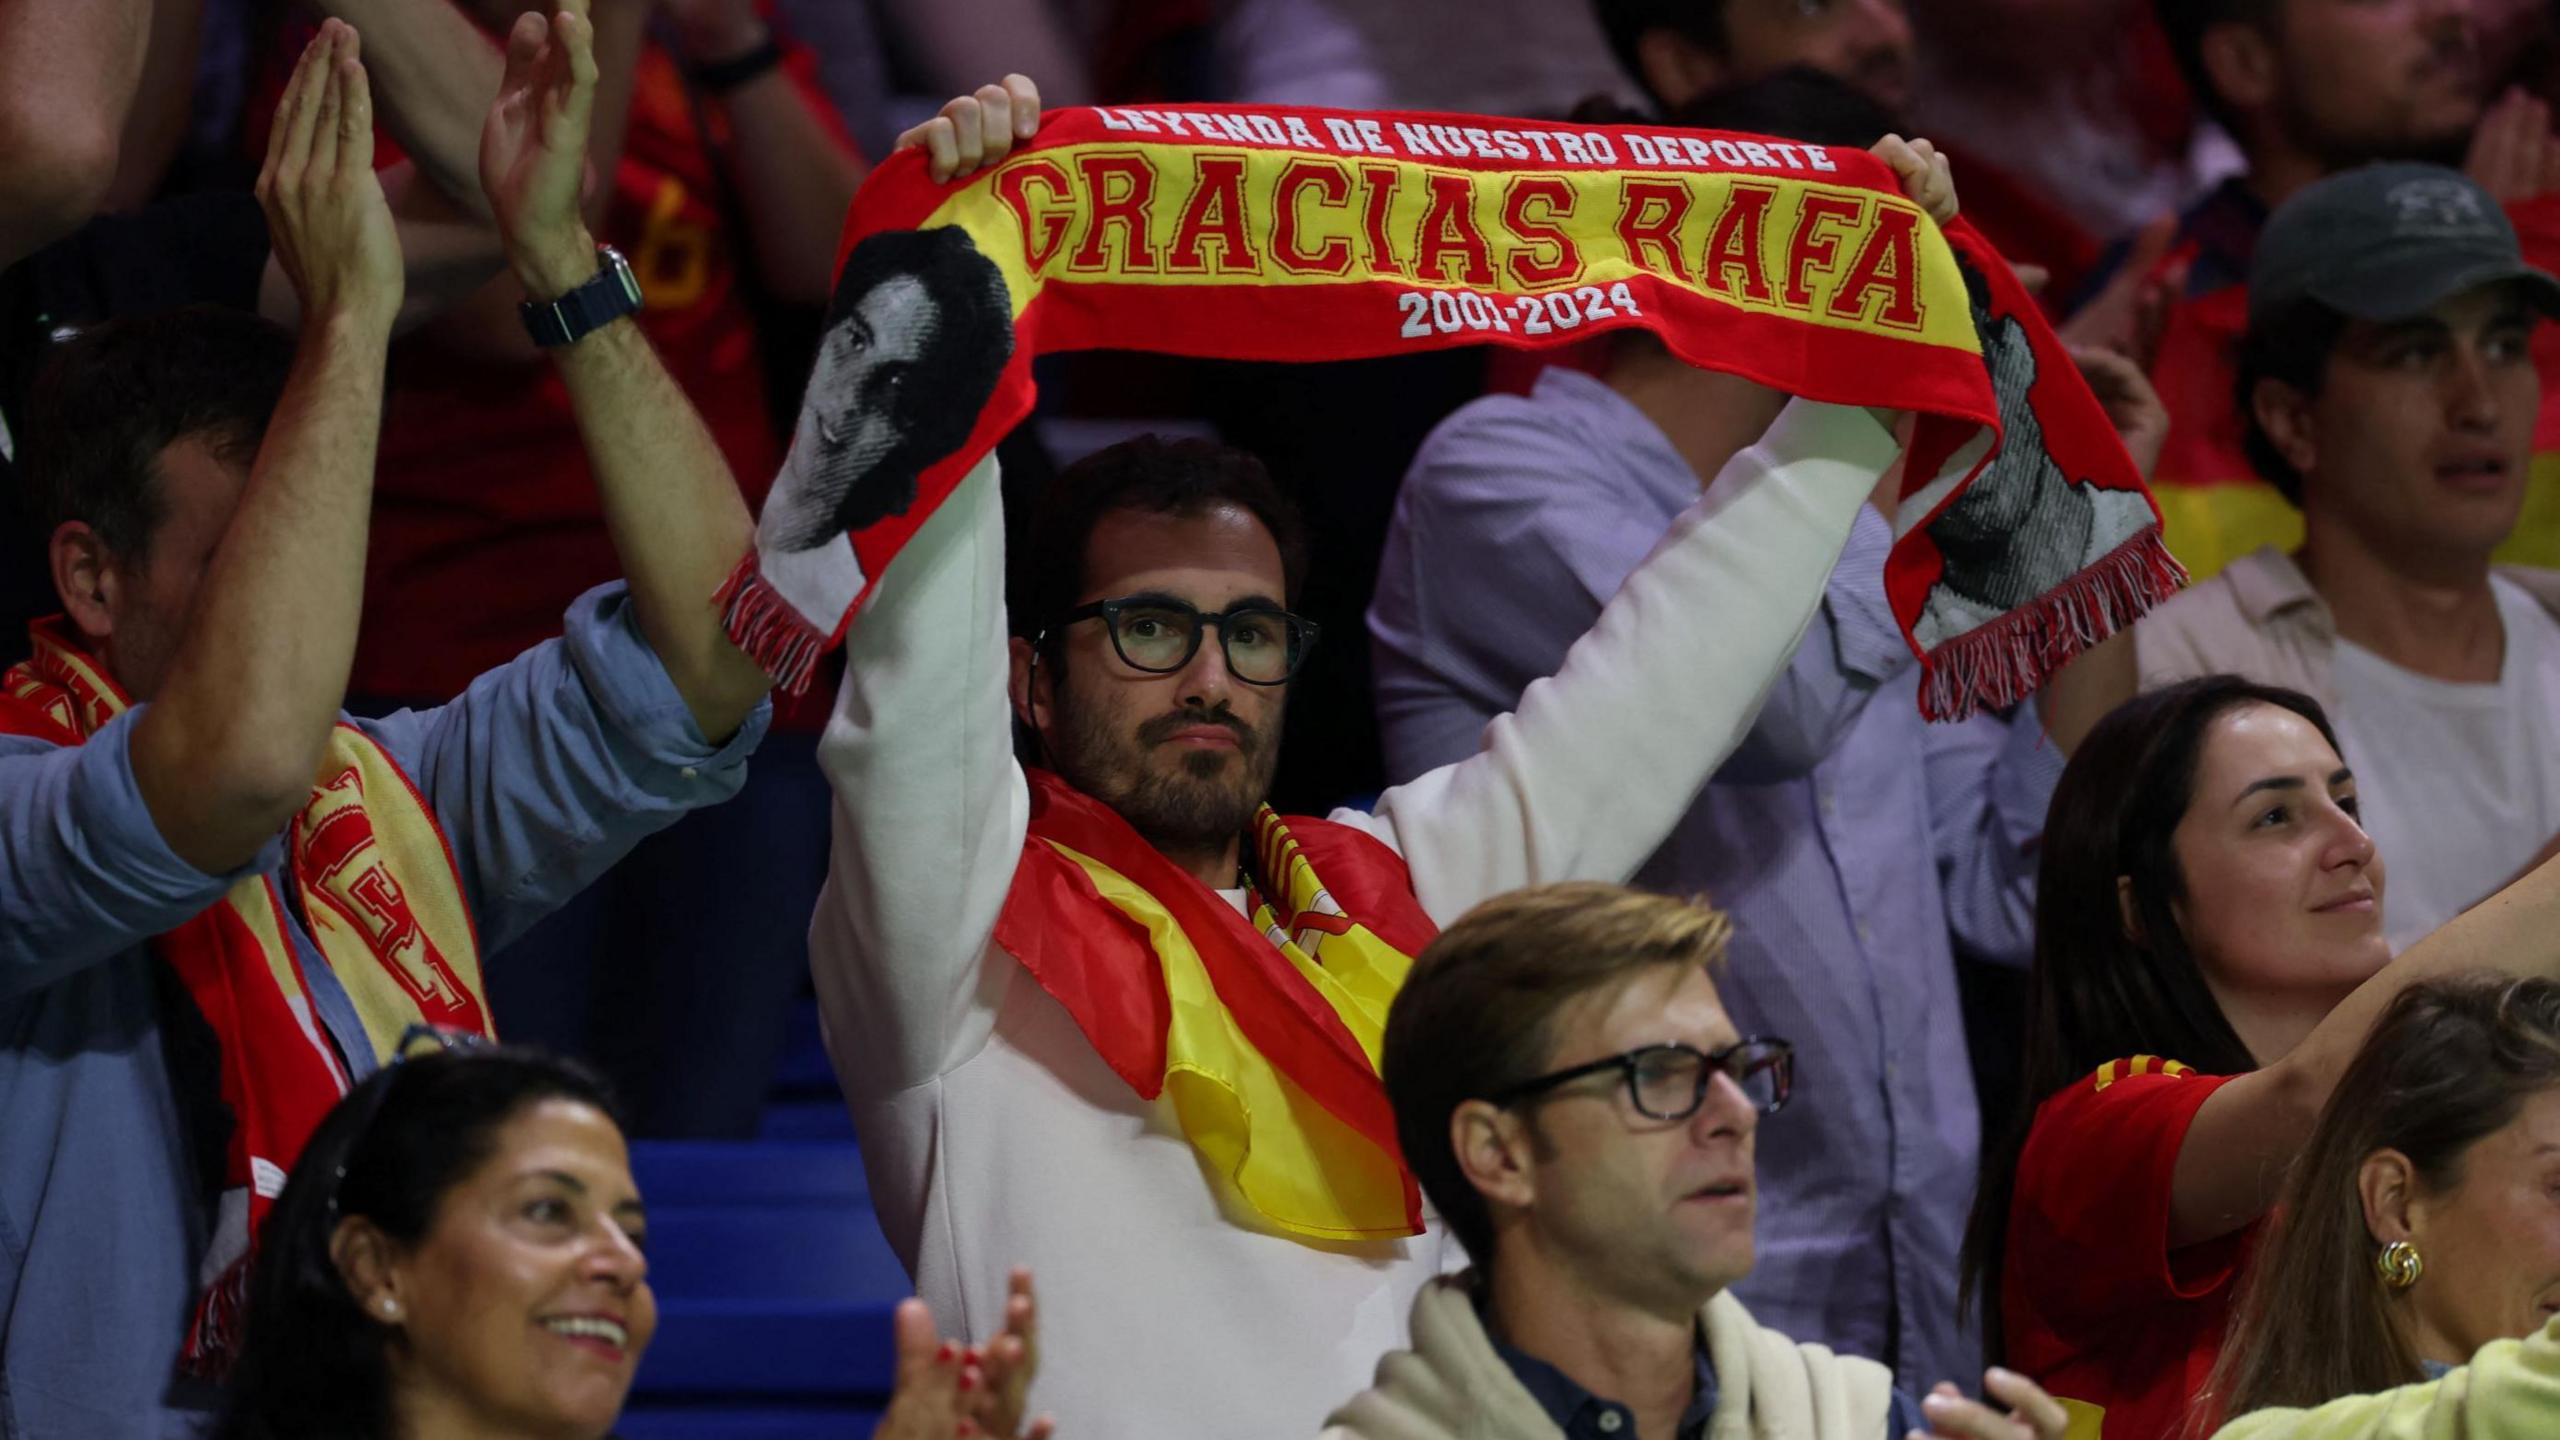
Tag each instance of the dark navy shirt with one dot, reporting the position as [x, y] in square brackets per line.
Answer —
[1582, 1415]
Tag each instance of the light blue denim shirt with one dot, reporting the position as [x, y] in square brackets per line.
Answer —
[1853, 844]
[543, 774]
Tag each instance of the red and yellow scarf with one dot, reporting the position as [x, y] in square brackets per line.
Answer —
[379, 895]
[1264, 1031]
[1282, 234]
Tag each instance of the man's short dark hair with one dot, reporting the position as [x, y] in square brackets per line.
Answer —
[111, 398]
[1156, 475]
[2185, 22]
[1797, 103]
[1627, 22]
[2292, 346]
[1477, 1013]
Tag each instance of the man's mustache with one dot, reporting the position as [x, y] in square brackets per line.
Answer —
[1164, 727]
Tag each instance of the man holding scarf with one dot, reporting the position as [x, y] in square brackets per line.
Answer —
[1116, 1020]
[221, 900]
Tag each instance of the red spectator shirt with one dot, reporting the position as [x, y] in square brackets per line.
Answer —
[486, 523]
[2097, 1308]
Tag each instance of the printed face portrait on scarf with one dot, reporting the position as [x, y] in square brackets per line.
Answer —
[917, 335]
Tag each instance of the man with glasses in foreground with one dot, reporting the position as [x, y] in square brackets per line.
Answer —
[1581, 1111]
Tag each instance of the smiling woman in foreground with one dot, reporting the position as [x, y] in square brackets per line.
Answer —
[458, 1252]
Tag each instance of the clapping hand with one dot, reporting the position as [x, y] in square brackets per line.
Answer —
[533, 148]
[948, 1392]
[2032, 1414]
[326, 215]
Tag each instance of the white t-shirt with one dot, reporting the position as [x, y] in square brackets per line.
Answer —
[2460, 784]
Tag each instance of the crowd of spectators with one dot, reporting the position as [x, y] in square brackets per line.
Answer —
[387, 387]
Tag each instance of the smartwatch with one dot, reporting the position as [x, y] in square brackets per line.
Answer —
[612, 294]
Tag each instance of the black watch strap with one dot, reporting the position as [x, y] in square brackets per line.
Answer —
[722, 76]
[612, 294]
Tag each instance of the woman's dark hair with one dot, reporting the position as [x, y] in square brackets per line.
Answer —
[2292, 346]
[2452, 1061]
[314, 1363]
[2099, 990]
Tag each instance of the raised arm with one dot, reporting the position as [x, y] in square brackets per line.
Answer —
[795, 171]
[1599, 761]
[669, 501]
[435, 70]
[930, 807]
[225, 753]
[2246, 1135]
[67, 78]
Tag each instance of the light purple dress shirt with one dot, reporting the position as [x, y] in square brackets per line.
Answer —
[1854, 844]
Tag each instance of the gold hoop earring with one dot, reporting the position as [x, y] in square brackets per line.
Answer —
[2399, 1265]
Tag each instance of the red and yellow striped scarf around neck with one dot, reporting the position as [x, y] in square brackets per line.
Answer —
[1264, 1031]
[375, 885]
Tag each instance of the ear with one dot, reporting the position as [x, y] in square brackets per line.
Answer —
[2125, 911]
[1493, 1150]
[369, 1263]
[2285, 414]
[2386, 1183]
[1031, 686]
[2240, 64]
[1675, 68]
[86, 578]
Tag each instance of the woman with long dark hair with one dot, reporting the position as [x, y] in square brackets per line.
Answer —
[2209, 957]
[459, 1253]
[2423, 1219]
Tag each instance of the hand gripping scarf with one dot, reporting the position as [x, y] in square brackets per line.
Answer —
[383, 902]
[1265, 1032]
[1310, 235]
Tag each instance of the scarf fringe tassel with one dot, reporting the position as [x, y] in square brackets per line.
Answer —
[764, 625]
[2001, 663]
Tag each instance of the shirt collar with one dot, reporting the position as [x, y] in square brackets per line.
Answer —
[1579, 1413]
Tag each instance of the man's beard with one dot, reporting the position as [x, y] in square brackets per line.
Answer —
[1197, 805]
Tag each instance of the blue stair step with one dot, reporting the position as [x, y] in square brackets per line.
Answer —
[825, 1119]
[772, 1252]
[748, 1349]
[712, 1422]
[749, 1172]
[805, 1072]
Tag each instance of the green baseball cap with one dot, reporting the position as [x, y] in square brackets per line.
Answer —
[2387, 242]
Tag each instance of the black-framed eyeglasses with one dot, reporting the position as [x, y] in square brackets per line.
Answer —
[1669, 1082]
[419, 1039]
[1158, 634]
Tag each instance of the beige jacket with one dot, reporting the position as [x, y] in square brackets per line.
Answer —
[1453, 1386]
[2261, 618]
[2509, 1391]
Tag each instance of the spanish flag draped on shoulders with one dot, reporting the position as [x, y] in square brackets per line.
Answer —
[369, 872]
[2096, 1306]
